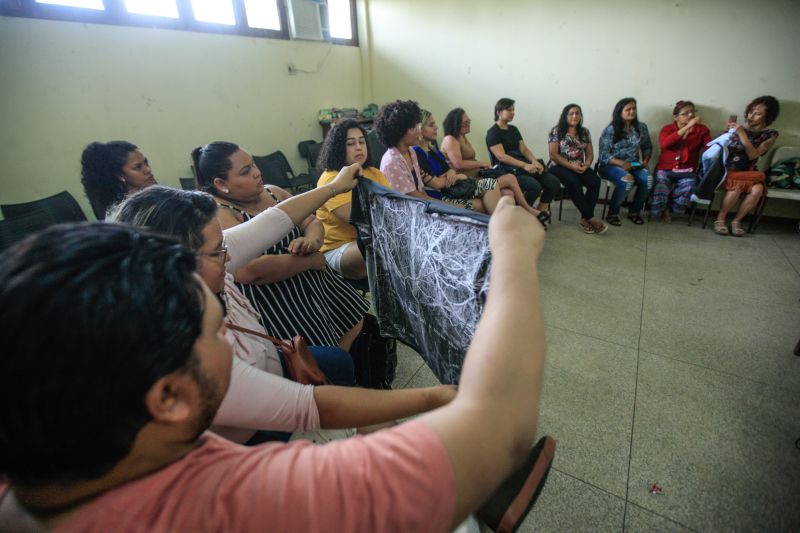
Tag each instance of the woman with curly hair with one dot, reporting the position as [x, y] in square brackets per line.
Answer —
[397, 126]
[345, 144]
[111, 171]
[571, 155]
[625, 151]
[748, 144]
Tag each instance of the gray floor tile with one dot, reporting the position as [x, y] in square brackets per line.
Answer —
[587, 406]
[423, 377]
[573, 249]
[408, 362]
[789, 243]
[638, 520]
[721, 447]
[723, 332]
[567, 504]
[598, 303]
[756, 269]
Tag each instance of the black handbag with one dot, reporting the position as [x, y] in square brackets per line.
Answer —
[374, 357]
[462, 189]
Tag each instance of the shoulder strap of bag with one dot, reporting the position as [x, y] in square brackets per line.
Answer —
[273, 340]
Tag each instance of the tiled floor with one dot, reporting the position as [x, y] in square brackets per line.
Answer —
[669, 361]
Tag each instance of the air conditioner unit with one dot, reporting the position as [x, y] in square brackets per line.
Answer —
[307, 20]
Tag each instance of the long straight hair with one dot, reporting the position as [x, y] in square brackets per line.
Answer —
[619, 123]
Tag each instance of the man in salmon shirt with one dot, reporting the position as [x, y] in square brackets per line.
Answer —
[115, 361]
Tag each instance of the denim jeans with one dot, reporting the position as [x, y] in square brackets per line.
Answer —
[642, 180]
[335, 363]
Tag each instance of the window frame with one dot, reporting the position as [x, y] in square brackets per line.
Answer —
[116, 14]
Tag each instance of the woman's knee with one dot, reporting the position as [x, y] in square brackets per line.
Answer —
[757, 190]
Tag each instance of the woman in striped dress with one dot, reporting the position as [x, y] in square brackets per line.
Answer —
[289, 285]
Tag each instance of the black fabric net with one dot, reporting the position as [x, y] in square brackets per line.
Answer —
[428, 265]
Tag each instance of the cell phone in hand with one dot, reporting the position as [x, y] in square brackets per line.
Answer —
[733, 118]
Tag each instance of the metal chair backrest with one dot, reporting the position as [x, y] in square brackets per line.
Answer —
[62, 207]
[17, 228]
[188, 184]
[273, 169]
[376, 148]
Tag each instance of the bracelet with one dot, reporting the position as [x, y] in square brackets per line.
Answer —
[333, 191]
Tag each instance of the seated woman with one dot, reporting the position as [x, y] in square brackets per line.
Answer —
[480, 195]
[346, 144]
[509, 151]
[111, 171]
[570, 147]
[625, 151]
[748, 144]
[681, 142]
[456, 146]
[289, 285]
[258, 398]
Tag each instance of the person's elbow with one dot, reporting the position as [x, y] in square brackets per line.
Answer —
[247, 275]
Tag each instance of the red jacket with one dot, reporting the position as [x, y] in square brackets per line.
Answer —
[681, 153]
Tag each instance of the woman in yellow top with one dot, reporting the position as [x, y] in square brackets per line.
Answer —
[346, 144]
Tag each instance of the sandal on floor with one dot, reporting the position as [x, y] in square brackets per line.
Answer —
[601, 228]
[636, 218]
[588, 228]
[544, 218]
[720, 228]
[736, 228]
[614, 220]
[512, 501]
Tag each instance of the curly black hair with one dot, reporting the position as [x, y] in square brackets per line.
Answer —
[101, 167]
[452, 122]
[395, 119]
[333, 154]
[618, 122]
[772, 105]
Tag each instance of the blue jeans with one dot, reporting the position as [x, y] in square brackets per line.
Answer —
[642, 179]
[334, 362]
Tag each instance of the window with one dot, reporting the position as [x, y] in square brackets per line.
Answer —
[255, 18]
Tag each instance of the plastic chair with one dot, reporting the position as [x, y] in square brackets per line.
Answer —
[15, 229]
[188, 184]
[276, 170]
[62, 208]
[376, 148]
[309, 150]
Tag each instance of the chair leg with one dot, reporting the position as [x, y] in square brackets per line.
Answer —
[560, 207]
[705, 217]
[755, 217]
[605, 202]
[691, 212]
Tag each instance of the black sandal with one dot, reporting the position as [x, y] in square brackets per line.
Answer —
[636, 219]
[614, 220]
[544, 218]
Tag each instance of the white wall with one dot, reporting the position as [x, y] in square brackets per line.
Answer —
[545, 54]
[66, 84]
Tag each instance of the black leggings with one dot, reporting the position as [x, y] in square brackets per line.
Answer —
[574, 183]
[532, 185]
